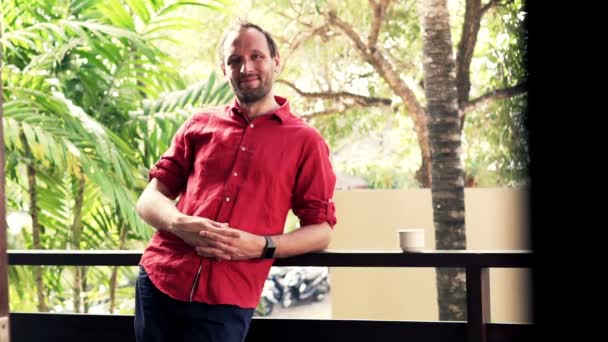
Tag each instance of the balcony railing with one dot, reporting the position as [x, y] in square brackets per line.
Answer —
[119, 328]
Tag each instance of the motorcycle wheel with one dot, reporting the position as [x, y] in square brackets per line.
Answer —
[267, 307]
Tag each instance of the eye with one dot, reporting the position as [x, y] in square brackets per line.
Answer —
[232, 61]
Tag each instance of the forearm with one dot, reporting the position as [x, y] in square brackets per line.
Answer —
[157, 210]
[311, 238]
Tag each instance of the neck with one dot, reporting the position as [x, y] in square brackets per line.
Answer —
[261, 107]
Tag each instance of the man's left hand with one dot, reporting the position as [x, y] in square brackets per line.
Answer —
[238, 244]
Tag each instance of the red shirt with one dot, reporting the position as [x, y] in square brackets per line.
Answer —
[248, 173]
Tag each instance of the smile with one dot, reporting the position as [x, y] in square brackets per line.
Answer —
[249, 79]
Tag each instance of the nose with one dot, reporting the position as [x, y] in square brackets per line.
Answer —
[246, 66]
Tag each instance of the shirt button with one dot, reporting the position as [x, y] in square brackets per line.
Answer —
[251, 125]
[227, 199]
[243, 148]
[236, 174]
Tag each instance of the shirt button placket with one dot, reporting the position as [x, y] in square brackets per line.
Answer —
[234, 174]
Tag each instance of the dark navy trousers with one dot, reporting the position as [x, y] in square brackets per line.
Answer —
[160, 318]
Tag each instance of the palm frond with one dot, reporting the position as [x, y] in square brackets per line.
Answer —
[219, 5]
[164, 24]
[53, 56]
[199, 94]
[141, 9]
[106, 158]
[116, 14]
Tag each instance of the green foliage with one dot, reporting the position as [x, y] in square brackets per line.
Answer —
[494, 143]
[495, 146]
[76, 80]
[498, 156]
[99, 88]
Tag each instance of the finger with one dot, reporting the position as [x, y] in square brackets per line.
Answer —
[228, 232]
[202, 242]
[212, 252]
[189, 228]
[216, 224]
[212, 236]
[221, 245]
[199, 224]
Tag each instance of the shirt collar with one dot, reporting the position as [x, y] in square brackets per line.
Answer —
[282, 113]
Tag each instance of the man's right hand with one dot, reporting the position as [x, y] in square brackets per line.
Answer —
[188, 229]
[194, 224]
[156, 207]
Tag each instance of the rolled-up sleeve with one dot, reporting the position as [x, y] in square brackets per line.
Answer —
[312, 200]
[175, 164]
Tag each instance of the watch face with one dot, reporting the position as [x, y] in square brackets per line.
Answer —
[271, 243]
[270, 247]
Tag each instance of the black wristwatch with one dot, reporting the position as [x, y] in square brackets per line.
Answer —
[269, 249]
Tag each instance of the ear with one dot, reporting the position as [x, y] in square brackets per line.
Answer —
[277, 62]
[224, 71]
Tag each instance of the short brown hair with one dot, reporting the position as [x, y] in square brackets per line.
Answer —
[240, 25]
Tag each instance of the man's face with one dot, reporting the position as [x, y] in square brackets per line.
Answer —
[248, 66]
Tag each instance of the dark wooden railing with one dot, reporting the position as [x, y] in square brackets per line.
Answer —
[118, 328]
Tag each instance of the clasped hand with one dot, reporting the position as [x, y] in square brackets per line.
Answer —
[218, 240]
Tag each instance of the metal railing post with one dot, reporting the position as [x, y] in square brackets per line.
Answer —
[478, 303]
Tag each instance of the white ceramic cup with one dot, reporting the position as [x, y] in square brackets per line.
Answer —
[411, 240]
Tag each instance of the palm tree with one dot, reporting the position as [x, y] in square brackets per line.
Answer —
[447, 186]
[77, 79]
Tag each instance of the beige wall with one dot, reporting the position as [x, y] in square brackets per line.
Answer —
[496, 219]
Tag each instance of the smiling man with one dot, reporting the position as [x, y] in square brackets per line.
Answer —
[237, 170]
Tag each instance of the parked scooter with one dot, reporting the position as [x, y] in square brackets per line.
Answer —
[304, 284]
[272, 293]
[267, 300]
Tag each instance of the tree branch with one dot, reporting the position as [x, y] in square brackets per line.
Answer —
[470, 28]
[495, 95]
[321, 31]
[285, 15]
[466, 46]
[294, 43]
[379, 10]
[376, 58]
[350, 32]
[363, 100]
[489, 5]
[330, 111]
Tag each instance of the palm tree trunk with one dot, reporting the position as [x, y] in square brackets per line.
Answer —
[447, 185]
[123, 239]
[77, 236]
[36, 227]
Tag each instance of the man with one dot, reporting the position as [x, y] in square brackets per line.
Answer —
[237, 170]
